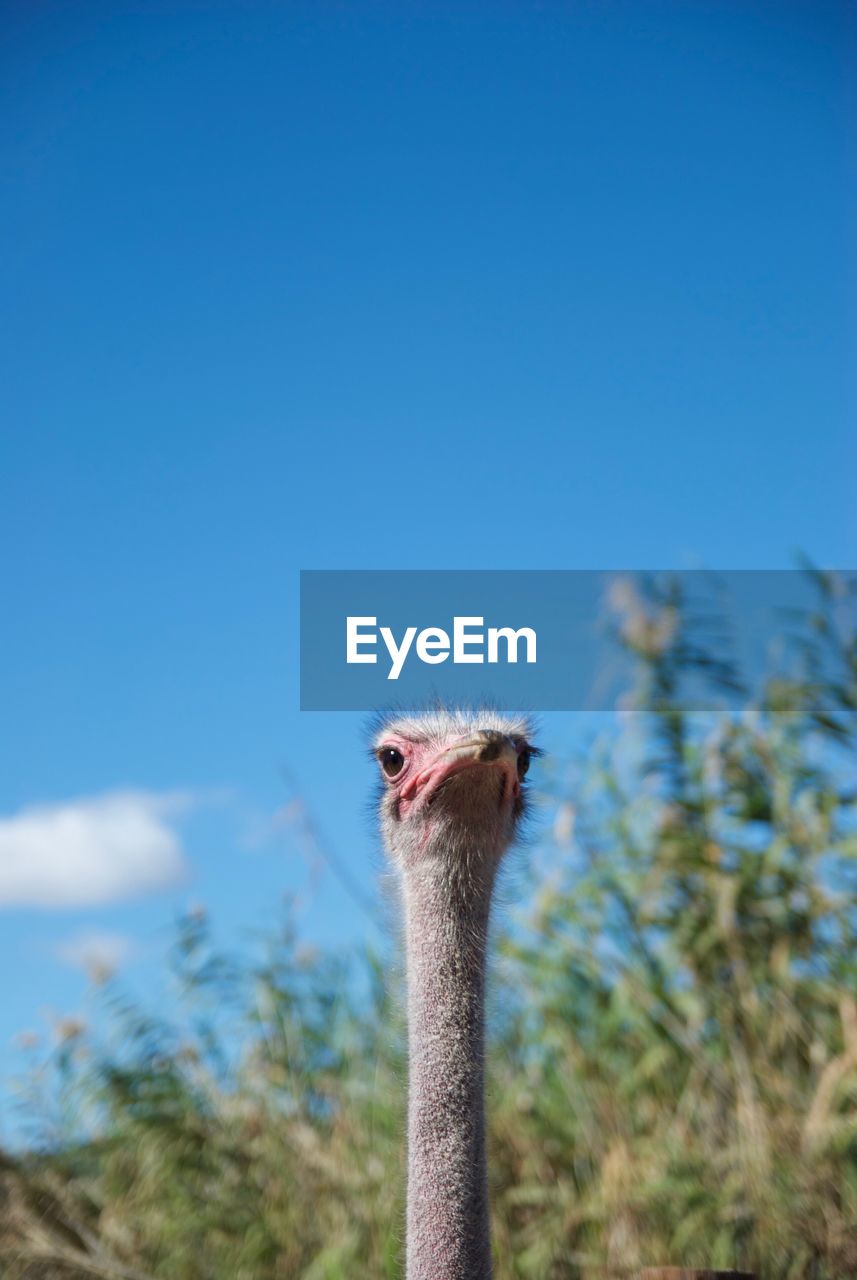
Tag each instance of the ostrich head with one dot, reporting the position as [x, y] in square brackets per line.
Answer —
[452, 786]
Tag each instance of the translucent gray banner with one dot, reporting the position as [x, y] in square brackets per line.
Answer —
[546, 640]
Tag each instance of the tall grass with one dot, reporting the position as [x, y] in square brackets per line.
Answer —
[673, 1058]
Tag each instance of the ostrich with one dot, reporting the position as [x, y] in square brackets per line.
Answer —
[451, 804]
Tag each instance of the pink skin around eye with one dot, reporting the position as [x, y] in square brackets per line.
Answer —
[424, 771]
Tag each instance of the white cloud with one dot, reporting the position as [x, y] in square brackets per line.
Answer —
[91, 851]
[95, 952]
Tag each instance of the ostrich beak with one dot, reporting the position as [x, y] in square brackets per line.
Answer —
[485, 747]
[488, 746]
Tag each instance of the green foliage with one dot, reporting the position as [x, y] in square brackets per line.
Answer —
[673, 1066]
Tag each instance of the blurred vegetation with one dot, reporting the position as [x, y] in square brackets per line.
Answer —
[673, 1059]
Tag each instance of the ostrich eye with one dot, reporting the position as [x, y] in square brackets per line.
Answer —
[523, 762]
[392, 761]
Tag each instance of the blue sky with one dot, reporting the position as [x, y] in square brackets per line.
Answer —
[370, 286]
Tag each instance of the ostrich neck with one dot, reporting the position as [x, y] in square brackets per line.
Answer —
[446, 933]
